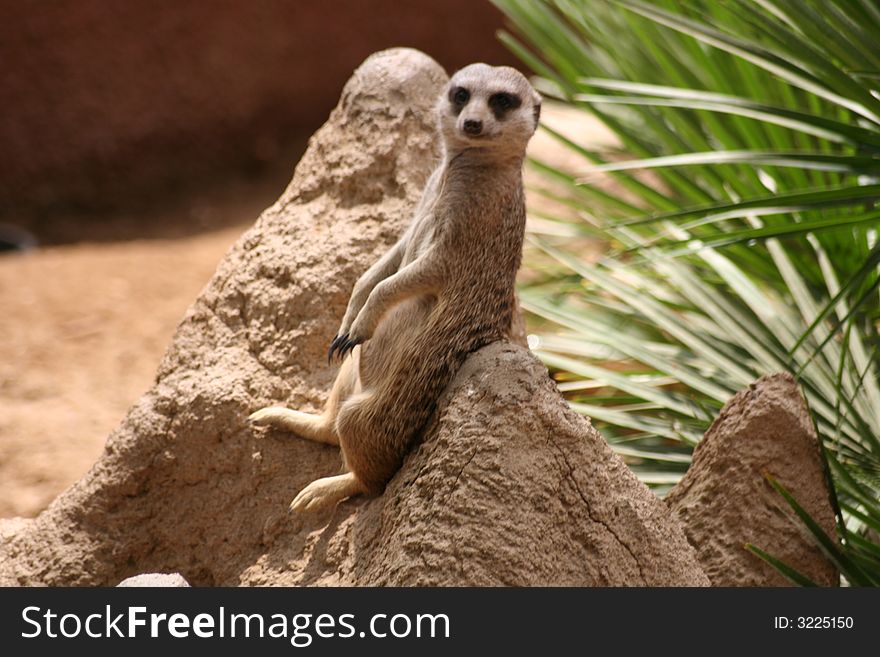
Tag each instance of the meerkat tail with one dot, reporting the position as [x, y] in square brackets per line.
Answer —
[326, 492]
[317, 428]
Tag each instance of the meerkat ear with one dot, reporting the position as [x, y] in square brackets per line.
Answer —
[536, 110]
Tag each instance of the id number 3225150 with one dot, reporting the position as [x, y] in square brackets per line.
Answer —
[813, 622]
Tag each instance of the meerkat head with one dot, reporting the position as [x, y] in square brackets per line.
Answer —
[488, 107]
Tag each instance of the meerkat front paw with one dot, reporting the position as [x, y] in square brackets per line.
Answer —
[361, 331]
[342, 345]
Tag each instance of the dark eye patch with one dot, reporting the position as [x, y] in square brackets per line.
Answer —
[503, 102]
[458, 98]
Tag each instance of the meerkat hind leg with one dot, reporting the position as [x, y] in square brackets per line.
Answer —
[306, 425]
[326, 492]
[318, 428]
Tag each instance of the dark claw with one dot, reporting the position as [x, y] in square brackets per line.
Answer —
[347, 345]
[341, 346]
[335, 345]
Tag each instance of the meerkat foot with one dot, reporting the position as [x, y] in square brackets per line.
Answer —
[305, 425]
[326, 492]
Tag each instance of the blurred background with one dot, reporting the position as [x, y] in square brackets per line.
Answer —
[138, 140]
[108, 105]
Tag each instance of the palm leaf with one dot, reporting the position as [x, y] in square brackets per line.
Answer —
[789, 572]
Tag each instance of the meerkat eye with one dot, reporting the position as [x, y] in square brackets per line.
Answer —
[460, 95]
[501, 103]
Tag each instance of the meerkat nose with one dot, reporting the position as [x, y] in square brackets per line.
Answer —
[473, 127]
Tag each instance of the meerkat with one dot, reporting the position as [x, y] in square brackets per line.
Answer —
[442, 292]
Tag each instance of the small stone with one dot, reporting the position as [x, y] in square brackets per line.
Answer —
[158, 580]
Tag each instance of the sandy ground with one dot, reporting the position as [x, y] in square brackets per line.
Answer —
[84, 326]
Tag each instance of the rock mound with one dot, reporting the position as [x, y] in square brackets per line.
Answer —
[724, 501]
[509, 485]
